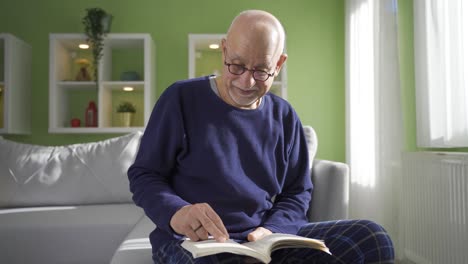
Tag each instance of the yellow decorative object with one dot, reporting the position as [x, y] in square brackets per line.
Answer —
[125, 119]
[83, 74]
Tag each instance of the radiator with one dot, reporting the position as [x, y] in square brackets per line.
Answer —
[434, 205]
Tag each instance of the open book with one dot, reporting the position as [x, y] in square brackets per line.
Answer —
[260, 249]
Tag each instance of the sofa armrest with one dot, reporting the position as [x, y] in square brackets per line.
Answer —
[330, 197]
[136, 248]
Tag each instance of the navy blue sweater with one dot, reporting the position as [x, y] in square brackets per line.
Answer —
[250, 166]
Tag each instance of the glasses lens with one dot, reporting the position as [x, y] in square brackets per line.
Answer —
[236, 69]
[260, 75]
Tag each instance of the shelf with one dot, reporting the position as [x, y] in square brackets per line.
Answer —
[76, 85]
[122, 53]
[94, 130]
[15, 83]
[120, 84]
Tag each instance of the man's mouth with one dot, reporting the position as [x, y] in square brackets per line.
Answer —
[248, 92]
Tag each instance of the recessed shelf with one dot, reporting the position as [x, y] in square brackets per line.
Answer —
[69, 98]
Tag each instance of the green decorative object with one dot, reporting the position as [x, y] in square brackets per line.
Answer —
[97, 23]
[125, 107]
[126, 110]
[130, 76]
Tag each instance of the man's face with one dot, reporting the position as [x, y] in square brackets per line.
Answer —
[243, 90]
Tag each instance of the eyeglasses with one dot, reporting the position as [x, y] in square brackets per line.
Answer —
[258, 75]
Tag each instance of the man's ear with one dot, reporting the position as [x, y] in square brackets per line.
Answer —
[280, 63]
[223, 49]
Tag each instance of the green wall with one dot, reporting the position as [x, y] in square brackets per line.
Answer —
[315, 43]
[406, 43]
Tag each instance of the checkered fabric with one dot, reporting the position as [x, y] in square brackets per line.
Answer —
[350, 241]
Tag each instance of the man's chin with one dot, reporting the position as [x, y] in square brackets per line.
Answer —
[243, 102]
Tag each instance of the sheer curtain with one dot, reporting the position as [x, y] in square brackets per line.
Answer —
[441, 69]
[374, 118]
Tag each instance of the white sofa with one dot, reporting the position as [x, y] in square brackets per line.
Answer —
[71, 204]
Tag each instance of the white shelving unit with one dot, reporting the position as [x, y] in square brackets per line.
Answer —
[15, 85]
[200, 55]
[69, 98]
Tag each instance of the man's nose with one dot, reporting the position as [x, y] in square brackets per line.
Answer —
[247, 80]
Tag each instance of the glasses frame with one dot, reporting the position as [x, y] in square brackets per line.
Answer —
[244, 69]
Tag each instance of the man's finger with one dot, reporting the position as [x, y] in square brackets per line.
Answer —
[192, 218]
[192, 235]
[201, 233]
[253, 236]
[258, 233]
[212, 229]
[217, 221]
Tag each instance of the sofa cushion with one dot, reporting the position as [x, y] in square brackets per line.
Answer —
[65, 234]
[87, 173]
[136, 248]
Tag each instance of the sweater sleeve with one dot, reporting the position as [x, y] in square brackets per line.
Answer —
[289, 210]
[151, 174]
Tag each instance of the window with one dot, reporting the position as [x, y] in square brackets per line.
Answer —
[441, 72]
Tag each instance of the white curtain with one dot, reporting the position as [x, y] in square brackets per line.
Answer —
[441, 72]
[374, 118]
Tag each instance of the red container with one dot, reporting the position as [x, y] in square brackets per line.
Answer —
[75, 122]
[91, 115]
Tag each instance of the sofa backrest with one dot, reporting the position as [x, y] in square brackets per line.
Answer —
[312, 143]
[86, 173]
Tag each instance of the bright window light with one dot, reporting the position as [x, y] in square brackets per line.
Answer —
[128, 89]
[362, 97]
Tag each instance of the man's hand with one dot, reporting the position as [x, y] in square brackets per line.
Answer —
[258, 233]
[197, 221]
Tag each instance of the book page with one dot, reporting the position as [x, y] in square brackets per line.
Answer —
[277, 241]
[211, 246]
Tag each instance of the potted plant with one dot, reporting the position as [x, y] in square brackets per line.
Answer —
[97, 24]
[126, 110]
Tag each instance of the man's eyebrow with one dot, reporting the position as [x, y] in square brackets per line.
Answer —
[262, 66]
[235, 57]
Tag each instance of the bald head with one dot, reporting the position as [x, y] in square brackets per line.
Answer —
[259, 28]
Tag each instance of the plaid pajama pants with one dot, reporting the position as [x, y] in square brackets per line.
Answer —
[350, 241]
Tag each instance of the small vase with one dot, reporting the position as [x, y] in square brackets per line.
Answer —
[106, 22]
[125, 119]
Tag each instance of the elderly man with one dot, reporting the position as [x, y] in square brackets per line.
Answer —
[223, 157]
